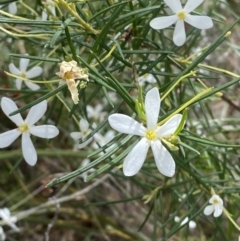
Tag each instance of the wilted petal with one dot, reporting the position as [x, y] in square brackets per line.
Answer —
[208, 210]
[201, 22]
[23, 64]
[191, 5]
[44, 131]
[175, 5]
[179, 35]
[163, 22]
[29, 152]
[18, 84]
[152, 107]
[32, 86]
[13, 69]
[125, 124]
[36, 113]
[163, 159]
[76, 135]
[34, 72]
[7, 138]
[8, 106]
[170, 126]
[135, 159]
[84, 125]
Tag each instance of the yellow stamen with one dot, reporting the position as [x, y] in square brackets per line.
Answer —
[181, 15]
[68, 75]
[23, 75]
[23, 128]
[215, 201]
[151, 135]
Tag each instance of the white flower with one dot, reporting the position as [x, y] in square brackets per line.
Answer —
[216, 206]
[2, 234]
[151, 136]
[69, 71]
[96, 112]
[6, 217]
[85, 131]
[181, 15]
[51, 7]
[149, 78]
[191, 223]
[26, 128]
[22, 72]
[86, 173]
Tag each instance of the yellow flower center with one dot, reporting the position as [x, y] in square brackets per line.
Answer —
[23, 128]
[151, 135]
[69, 75]
[181, 15]
[215, 201]
[23, 74]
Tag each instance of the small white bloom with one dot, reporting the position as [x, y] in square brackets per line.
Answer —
[51, 7]
[96, 112]
[26, 128]
[86, 173]
[2, 234]
[181, 15]
[85, 131]
[216, 206]
[149, 78]
[102, 140]
[191, 223]
[151, 136]
[22, 72]
[10, 220]
[69, 71]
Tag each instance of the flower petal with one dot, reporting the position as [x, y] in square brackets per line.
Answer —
[13, 69]
[135, 158]
[12, 8]
[208, 210]
[125, 124]
[175, 5]
[36, 113]
[44, 131]
[76, 135]
[84, 144]
[18, 84]
[218, 211]
[23, 64]
[170, 126]
[32, 86]
[34, 72]
[29, 152]
[201, 22]
[152, 107]
[8, 106]
[191, 5]
[8, 137]
[163, 159]
[84, 125]
[163, 22]
[179, 35]
[192, 224]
